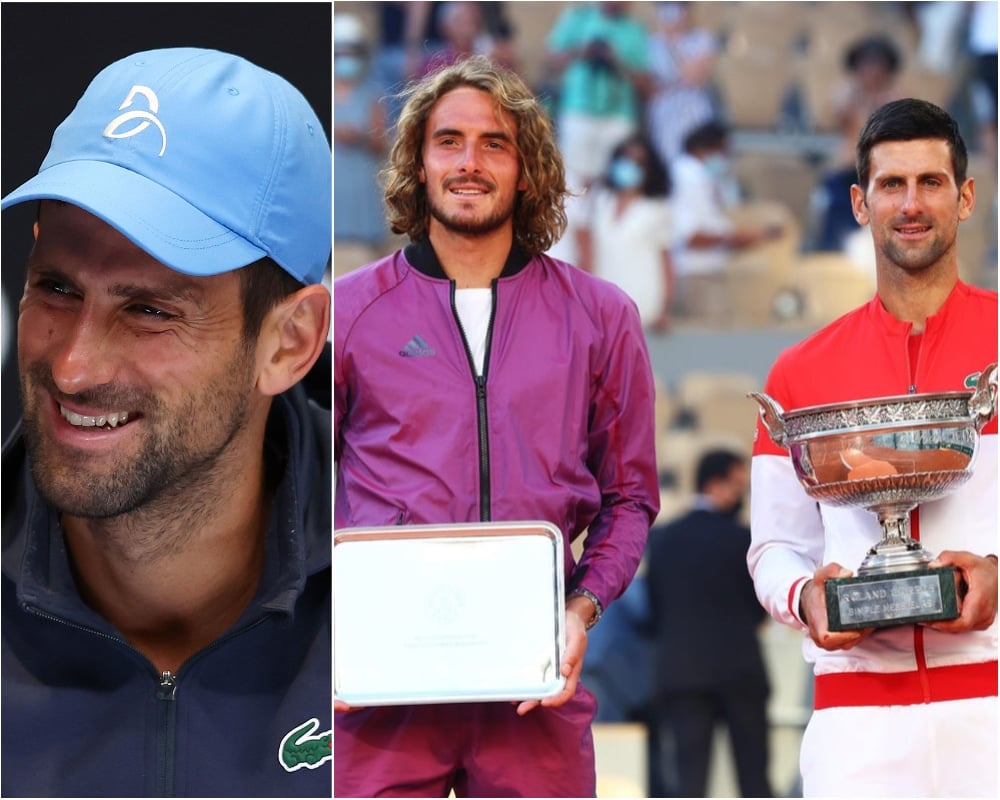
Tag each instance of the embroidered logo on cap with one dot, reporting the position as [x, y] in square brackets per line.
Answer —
[147, 117]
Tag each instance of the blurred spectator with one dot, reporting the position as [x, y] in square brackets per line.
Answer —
[708, 665]
[681, 60]
[703, 192]
[982, 42]
[617, 669]
[600, 51]
[599, 54]
[873, 64]
[940, 25]
[359, 138]
[463, 26]
[501, 32]
[407, 30]
[628, 232]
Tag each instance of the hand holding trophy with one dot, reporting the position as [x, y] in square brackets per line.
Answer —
[887, 455]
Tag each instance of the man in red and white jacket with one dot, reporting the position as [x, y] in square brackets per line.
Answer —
[909, 710]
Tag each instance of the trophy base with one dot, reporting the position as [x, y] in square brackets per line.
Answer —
[897, 598]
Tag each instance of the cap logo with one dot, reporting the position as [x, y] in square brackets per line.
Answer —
[148, 117]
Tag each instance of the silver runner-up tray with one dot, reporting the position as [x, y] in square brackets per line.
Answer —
[448, 613]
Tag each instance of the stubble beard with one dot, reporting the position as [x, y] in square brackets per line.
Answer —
[917, 260]
[176, 462]
[471, 226]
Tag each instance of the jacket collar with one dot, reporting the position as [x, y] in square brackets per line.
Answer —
[897, 327]
[422, 256]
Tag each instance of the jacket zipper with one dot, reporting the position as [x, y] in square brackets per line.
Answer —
[485, 497]
[166, 693]
[912, 367]
[920, 657]
[166, 716]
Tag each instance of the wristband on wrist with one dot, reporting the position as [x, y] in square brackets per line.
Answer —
[802, 610]
[598, 608]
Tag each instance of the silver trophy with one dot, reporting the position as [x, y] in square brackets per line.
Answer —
[887, 455]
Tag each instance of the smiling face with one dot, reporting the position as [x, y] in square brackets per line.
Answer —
[135, 381]
[471, 167]
[913, 205]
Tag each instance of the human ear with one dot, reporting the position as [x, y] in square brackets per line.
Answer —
[966, 199]
[858, 204]
[291, 339]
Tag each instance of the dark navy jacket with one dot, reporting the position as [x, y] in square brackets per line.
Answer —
[84, 714]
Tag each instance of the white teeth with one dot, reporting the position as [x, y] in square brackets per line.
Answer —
[112, 420]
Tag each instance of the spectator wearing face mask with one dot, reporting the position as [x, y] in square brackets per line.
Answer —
[359, 140]
[630, 230]
[704, 192]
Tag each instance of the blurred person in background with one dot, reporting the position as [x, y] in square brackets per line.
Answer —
[629, 231]
[703, 192]
[872, 67]
[940, 26]
[598, 55]
[705, 621]
[982, 43]
[501, 32]
[466, 30]
[601, 53]
[360, 139]
[618, 667]
[406, 30]
[681, 60]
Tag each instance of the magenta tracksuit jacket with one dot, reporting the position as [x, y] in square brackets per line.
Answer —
[559, 427]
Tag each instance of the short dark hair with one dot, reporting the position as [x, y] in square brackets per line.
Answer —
[907, 119]
[711, 135]
[715, 465]
[263, 284]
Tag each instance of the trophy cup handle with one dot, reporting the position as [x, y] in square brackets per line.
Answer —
[983, 403]
[771, 414]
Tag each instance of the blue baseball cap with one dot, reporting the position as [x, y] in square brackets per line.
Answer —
[203, 159]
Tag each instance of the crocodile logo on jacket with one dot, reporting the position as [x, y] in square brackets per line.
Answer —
[301, 747]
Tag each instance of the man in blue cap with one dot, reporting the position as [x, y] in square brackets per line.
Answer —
[166, 543]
